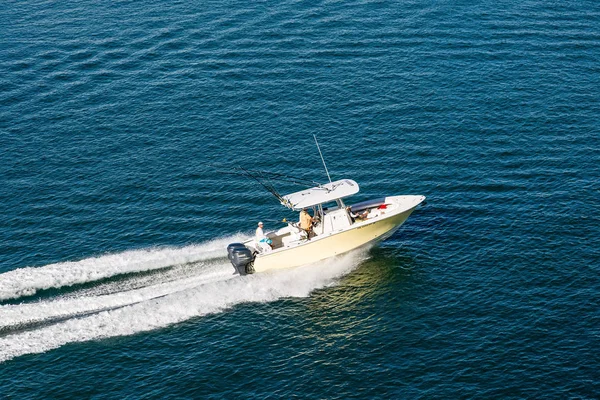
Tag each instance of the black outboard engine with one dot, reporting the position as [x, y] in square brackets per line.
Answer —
[241, 257]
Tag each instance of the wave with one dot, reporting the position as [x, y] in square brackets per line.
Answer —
[28, 281]
[196, 289]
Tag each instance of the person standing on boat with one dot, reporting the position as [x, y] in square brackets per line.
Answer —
[261, 237]
[306, 222]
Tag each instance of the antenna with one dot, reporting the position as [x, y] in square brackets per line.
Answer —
[322, 159]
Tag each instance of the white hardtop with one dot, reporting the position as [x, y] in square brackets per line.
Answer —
[321, 194]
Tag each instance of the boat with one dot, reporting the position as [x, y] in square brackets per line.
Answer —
[337, 228]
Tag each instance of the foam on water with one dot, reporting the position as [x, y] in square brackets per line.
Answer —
[27, 281]
[108, 296]
[212, 288]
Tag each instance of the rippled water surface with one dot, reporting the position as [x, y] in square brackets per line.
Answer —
[114, 115]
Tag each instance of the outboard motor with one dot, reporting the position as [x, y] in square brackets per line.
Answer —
[241, 258]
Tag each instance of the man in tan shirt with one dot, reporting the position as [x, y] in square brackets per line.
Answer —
[306, 222]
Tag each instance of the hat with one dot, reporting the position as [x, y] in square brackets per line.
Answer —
[260, 223]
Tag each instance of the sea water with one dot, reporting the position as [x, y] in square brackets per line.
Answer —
[120, 122]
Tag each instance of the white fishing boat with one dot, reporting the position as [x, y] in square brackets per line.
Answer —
[337, 229]
[332, 229]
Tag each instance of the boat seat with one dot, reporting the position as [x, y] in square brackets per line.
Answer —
[262, 247]
[296, 235]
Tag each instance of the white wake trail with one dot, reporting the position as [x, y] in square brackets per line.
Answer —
[15, 316]
[178, 301]
[28, 281]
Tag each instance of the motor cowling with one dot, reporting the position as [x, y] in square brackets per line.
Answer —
[241, 258]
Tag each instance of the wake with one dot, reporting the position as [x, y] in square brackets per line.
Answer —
[187, 282]
[28, 281]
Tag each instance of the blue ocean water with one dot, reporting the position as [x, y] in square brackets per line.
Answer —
[113, 279]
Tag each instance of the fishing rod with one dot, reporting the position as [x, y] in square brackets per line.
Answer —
[266, 181]
[270, 176]
[322, 159]
[263, 181]
[269, 187]
[307, 184]
[293, 179]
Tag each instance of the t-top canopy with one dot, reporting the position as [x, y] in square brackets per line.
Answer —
[321, 194]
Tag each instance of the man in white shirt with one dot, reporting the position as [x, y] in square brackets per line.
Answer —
[260, 236]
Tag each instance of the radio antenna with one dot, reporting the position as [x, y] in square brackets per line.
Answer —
[322, 159]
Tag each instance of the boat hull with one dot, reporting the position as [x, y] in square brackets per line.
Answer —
[321, 248]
